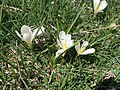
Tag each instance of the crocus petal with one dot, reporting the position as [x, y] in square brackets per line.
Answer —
[59, 52]
[27, 37]
[102, 5]
[59, 43]
[42, 30]
[61, 35]
[34, 33]
[77, 47]
[18, 34]
[64, 40]
[96, 3]
[84, 45]
[25, 29]
[67, 41]
[68, 38]
[71, 43]
[88, 51]
[39, 32]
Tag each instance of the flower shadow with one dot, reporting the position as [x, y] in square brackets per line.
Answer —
[89, 58]
[72, 57]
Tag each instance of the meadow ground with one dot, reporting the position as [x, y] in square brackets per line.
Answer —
[22, 68]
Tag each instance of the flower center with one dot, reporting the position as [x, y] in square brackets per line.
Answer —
[65, 46]
[81, 50]
[97, 7]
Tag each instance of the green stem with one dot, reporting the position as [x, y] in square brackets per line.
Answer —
[75, 19]
[1, 10]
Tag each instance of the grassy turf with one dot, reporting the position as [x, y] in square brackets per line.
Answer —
[22, 68]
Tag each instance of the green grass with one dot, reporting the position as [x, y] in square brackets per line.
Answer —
[37, 69]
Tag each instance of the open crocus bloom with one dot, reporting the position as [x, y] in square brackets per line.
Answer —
[64, 42]
[99, 6]
[81, 49]
[27, 35]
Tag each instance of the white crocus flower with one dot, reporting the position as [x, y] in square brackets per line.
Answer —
[99, 6]
[28, 35]
[64, 42]
[81, 49]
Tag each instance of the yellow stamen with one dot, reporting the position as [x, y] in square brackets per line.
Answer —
[96, 10]
[81, 50]
[65, 46]
[97, 7]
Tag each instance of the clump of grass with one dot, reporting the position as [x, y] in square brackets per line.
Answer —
[23, 68]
